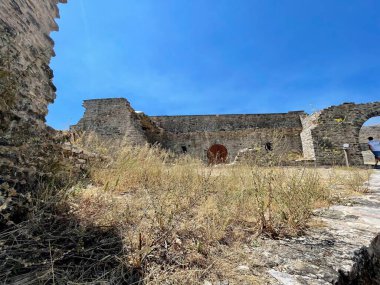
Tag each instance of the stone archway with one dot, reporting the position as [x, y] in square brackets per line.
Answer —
[340, 125]
[217, 154]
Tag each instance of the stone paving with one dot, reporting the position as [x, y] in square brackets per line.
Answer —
[316, 257]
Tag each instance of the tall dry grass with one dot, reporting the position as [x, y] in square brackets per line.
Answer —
[172, 212]
[150, 217]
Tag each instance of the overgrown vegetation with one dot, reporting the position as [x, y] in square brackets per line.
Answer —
[150, 217]
[174, 213]
[52, 247]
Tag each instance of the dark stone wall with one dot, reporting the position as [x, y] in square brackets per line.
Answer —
[25, 52]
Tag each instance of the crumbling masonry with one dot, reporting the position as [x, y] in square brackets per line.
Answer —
[317, 138]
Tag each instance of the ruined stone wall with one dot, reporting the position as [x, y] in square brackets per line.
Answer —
[211, 123]
[318, 137]
[197, 143]
[338, 125]
[112, 119]
[196, 134]
[26, 88]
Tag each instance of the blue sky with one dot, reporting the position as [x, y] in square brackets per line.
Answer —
[172, 57]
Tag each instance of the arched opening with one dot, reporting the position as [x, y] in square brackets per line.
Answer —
[371, 128]
[217, 154]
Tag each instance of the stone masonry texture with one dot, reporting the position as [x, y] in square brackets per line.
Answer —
[26, 86]
[318, 137]
[340, 125]
[29, 150]
[114, 119]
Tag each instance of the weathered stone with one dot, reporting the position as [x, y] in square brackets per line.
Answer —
[316, 139]
[338, 125]
[28, 149]
[115, 120]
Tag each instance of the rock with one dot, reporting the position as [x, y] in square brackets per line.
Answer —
[284, 278]
[243, 268]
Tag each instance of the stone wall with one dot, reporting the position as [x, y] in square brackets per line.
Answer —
[26, 88]
[211, 123]
[318, 137]
[197, 143]
[196, 134]
[114, 119]
[338, 125]
[25, 52]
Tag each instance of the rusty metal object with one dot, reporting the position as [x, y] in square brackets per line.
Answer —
[217, 154]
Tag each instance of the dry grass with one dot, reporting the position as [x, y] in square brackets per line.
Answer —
[161, 219]
[52, 247]
[345, 182]
[172, 214]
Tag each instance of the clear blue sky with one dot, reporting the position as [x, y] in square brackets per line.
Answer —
[216, 56]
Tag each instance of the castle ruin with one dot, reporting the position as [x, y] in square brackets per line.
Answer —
[316, 138]
[31, 151]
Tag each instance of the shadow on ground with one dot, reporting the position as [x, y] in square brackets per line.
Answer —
[51, 247]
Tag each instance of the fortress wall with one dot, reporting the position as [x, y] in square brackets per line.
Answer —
[236, 132]
[197, 143]
[112, 119]
[210, 123]
[26, 88]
